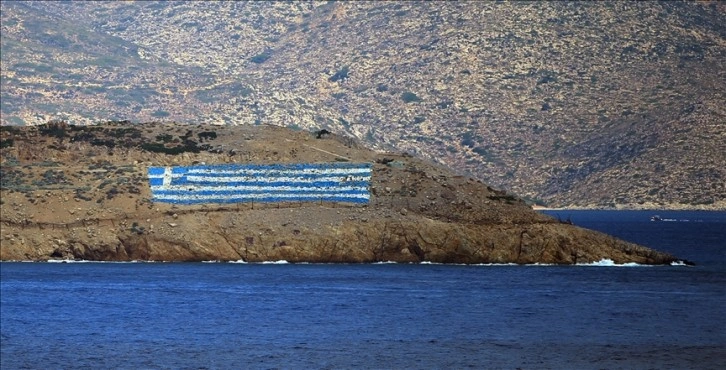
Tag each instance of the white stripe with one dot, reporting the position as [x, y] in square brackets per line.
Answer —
[324, 171]
[274, 179]
[161, 176]
[257, 196]
[365, 172]
[258, 188]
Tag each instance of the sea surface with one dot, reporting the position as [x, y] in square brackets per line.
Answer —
[381, 316]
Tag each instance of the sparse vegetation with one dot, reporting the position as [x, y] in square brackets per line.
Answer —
[6, 143]
[409, 97]
[55, 129]
[388, 73]
[164, 138]
[340, 75]
[261, 58]
[207, 135]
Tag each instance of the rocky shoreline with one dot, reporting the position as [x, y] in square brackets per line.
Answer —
[406, 239]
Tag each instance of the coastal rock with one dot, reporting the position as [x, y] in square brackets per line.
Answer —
[475, 224]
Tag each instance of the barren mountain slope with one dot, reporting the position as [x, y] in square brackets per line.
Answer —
[591, 104]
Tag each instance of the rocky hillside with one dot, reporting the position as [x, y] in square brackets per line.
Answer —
[590, 104]
[82, 192]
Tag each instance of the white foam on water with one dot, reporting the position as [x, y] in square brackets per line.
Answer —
[473, 264]
[607, 262]
[21, 261]
[469, 264]
[89, 261]
[69, 261]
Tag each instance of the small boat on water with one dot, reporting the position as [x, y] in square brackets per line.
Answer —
[658, 218]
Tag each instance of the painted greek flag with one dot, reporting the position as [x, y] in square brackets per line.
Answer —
[319, 182]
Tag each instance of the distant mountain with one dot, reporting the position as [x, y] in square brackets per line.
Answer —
[590, 104]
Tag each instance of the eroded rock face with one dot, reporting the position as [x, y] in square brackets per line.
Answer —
[354, 242]
[417, 211]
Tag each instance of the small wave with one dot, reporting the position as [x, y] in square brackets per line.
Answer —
[607, 262]
[467, 264]
[279, 262]
[238, 261]
[93, 261]
[476, 264]
[19, 261]
[69, 261]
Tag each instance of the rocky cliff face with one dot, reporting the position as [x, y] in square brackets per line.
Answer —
[82, 193]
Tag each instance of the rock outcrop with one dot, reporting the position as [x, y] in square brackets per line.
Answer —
[82, 193]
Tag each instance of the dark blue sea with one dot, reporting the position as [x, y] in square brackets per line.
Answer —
[382, 316]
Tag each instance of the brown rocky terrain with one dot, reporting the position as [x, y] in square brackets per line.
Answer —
[81, 192]
[566, 103]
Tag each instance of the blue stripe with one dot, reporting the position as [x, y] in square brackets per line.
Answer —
[255, 167]
[156, 182]
[317, 184]
[269, 200]
[276, 174]
[156, 171]
[193, 193]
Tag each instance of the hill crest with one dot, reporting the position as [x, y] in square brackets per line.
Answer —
[599, 105]
[84, 192]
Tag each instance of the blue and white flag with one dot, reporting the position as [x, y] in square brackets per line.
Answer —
[318, 182]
